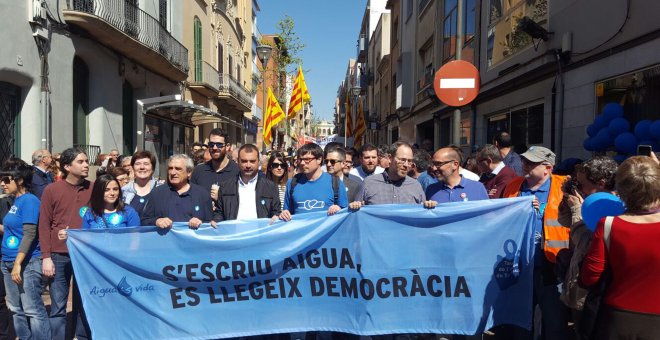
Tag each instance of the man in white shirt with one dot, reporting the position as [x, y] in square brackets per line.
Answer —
[248, 195]
[368, 164]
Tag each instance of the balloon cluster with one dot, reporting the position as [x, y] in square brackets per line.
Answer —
[610, 129]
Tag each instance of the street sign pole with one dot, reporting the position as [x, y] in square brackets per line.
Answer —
[456, 130]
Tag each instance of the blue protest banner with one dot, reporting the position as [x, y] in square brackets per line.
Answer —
[460, 268]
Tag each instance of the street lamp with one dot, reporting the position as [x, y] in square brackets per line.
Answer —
[263, 53]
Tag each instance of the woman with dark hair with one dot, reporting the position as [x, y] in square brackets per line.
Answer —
[106, 208]
[21, 255]
[277, 171]
[136, 193]
[626, 246]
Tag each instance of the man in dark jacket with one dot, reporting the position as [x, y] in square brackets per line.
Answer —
[178, 201]
[249, 195]
[41, 159]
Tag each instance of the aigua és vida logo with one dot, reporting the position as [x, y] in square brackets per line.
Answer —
[122, 288]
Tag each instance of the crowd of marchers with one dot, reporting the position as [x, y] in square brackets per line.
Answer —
[603, 282]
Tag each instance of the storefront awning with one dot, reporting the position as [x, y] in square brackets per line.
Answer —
[189, 114]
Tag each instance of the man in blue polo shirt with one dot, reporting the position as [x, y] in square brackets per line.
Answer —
[452, 186]
[178, 201]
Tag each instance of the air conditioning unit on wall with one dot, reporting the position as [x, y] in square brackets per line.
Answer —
[37, 12]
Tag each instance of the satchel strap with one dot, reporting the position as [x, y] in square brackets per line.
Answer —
[607, 229]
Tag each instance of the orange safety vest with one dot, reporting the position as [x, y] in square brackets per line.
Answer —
[556, 235]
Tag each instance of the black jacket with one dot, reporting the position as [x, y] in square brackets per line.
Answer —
[40, 180]
[267, 199]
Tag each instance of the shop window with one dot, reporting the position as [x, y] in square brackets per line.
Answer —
[525, 126]
[504, 39]
[637, 92]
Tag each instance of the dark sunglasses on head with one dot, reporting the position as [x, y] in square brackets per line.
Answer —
[331, 161]
[6, 179]
[278, 165]
[216, 144]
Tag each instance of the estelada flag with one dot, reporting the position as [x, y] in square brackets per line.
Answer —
[299, 95]
[274, 115]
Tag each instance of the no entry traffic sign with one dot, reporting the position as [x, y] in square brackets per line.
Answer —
[457, 83]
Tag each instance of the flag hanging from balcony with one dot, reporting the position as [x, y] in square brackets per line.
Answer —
[349, 116]
[274, 115]
[299, 95]
[360, 126]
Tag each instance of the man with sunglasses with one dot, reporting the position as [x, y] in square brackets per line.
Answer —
[452, 186]
[312, 189]
[393, 186]
[334, 159]
[549, 235]
[220, 168]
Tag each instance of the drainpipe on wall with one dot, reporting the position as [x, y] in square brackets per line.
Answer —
[45, 100]
[560, 107]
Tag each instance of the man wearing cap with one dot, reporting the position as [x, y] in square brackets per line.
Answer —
[550, 236]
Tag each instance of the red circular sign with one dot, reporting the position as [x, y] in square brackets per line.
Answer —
[457, 83]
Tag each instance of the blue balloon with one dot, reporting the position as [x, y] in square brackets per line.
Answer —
[603, 140]
[600, 122]
[588, 144]
[620, 158]
[626, 143]
[599, 205]
[612, 111]
[618, 126]
[642, 129]
[592, 130]
[654, 129]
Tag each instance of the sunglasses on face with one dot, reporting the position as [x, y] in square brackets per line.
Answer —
[216, 144]
[6, 180]
[278, 165]
[331, 162]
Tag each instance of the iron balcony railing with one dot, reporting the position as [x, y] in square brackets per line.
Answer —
[229, 85]
[127, 17]
[203, 72]
[92, 151]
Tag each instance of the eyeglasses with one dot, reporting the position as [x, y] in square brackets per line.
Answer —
[403, 160]
[331, 161]
[216, 144]
[348, 163]
[306, 159]
[6, 180]
[440, 164]
[278, 165]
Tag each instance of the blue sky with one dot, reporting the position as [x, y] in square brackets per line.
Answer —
[329, 29]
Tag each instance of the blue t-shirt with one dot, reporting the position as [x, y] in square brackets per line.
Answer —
[316, 195]
[425, 179]
[24, 211]
[542, 194]
[465, 190]
[119, 219]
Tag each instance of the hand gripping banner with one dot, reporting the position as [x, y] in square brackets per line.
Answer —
[460, 268]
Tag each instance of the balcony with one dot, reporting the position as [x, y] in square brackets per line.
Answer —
[204, 78]
[234, 93]
[124, 27]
